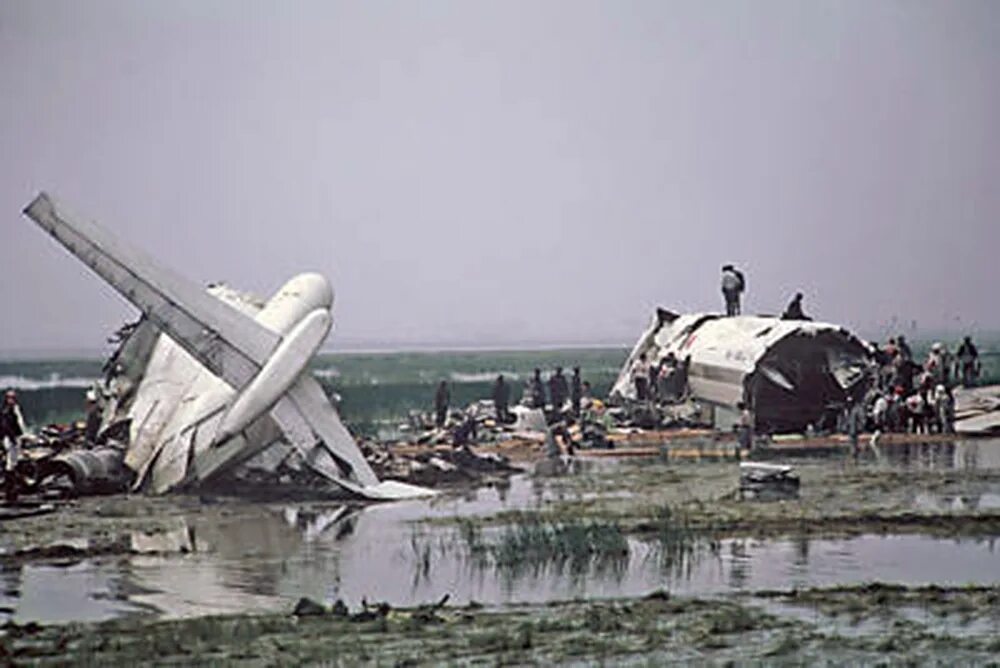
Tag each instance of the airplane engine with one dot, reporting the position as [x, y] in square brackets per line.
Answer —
[294, 301]
[300, 312]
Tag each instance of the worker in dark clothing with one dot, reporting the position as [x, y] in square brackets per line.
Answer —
[794, 310]
[733, 286]
[968, 362]
[653, 389]
[465, 433]
[904, 348]
[501, 400]
[558, 389]
[441, 400]
[641, 379]
[904, 369]
[11, 430]
[575, 391]
[537, 390]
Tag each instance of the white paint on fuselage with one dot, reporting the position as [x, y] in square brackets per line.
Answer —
[179, 403]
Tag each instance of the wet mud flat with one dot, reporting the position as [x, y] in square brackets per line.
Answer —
[959, 625]
[932, 488]
[555, 566]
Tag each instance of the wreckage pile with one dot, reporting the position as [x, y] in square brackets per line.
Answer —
[60, 463]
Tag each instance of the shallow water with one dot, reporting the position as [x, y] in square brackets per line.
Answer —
[267, 556]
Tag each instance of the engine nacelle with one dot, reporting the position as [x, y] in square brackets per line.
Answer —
[288, 361]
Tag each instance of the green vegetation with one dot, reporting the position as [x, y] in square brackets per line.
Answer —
[655, 630]
[374, 388]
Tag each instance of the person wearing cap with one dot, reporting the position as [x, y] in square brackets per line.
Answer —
[11, 430]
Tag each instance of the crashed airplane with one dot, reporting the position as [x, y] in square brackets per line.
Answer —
[210, 380]
[791, 373]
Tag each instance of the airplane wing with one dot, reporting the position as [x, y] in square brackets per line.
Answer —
[227, 342]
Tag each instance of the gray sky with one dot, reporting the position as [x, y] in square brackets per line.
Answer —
[508, 171]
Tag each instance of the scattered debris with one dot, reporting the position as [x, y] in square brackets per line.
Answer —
[306, 607]
[977, 410]
[768, 482]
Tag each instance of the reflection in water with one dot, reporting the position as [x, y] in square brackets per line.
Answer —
[960, 455]
[263, 557]
[379, 553]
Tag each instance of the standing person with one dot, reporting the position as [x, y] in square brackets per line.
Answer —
[934, 366]
[587, 398]
[93, 418]
[558, 389]
[944, 404]
[916, 409]
[854, 422]
[640, 378]
[537, 390]
[968, 362]
[441, 400]
[903, 371]
[11, 430]
[744, 427]
[733, 285]
[880, 412]
[904, 348]
[668, 379]
[501, 400]
[653, 388]
[575, 391]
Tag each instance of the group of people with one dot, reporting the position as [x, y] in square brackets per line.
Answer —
[575, 389]
[554, 395]
[664, 381]
[917, 397]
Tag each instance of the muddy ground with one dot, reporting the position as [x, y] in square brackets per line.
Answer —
[837, 496]
[679, 504]
[884, 625]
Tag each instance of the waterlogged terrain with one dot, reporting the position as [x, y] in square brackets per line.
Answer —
[893, 553]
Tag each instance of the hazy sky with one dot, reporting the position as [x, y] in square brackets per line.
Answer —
[500, 172]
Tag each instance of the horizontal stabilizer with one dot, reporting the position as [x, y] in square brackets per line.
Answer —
[230, 344]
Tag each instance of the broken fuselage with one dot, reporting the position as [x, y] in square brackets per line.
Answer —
[790, 373]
